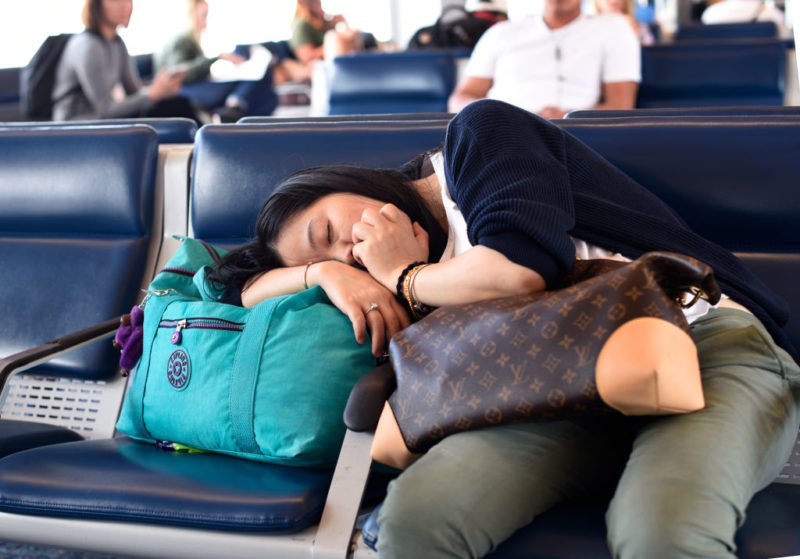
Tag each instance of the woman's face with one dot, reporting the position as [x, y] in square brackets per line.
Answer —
[324, 230]
[117, 12]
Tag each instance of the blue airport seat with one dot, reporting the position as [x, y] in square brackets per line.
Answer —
[16, 435]
[76, 225]
[708, 74]
[723, 31]
[170, 130]
[107, 483]
[398, 82]
[235, 166]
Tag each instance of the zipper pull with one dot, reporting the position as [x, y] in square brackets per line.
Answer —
[176, 335]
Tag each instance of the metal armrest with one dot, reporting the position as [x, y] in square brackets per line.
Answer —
[31, 357]
[367, 398]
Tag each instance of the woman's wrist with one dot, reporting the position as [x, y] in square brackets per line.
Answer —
[406, 293]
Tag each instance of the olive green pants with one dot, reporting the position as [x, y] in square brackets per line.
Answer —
[680, 483]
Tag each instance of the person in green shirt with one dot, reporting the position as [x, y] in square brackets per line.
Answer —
[317, 36]
[229, 100]
[185, 52]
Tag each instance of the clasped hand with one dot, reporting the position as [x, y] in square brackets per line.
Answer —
[385, 241]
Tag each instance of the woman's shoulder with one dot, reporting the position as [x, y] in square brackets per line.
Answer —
[84, 45]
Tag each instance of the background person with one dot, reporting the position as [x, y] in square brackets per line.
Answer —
[185, 49]
[553, 63]
[230, 100]
[626, 9]
[318, 36]
[97, 78]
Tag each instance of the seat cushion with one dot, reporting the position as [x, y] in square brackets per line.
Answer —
[22, 435]
[121, 479]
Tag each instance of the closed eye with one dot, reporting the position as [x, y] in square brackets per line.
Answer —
[329, 232]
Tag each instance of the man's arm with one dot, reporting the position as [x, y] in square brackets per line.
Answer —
[468, 90]
[618, 95]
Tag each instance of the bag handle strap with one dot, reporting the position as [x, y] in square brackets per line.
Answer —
[243, 376]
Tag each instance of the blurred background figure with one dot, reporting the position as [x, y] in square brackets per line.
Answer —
[230, 98]
[317, 36]
[553, 63]
[739, 11]
[96, 77]
[490, 10]
[185, 50]
[626, 9]
[460, 27]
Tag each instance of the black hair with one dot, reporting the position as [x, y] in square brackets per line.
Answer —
[299, 191]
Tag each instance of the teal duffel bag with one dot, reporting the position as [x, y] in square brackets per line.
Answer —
[266, 383]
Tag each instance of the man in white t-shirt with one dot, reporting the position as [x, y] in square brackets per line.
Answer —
[554, 63]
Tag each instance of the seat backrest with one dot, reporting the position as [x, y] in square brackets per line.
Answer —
[170, 130]
[733, 179]
[702, 73]
[236, 167]
[400, 82]
[345, 118]
[75, 224]
[78, 240]
[721, 31]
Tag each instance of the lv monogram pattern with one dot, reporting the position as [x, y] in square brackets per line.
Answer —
[530, 357]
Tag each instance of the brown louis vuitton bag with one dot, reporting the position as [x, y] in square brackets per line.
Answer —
[615, 341]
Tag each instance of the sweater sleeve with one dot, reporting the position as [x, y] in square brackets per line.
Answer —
[506, 170]
[185, 50]
[97, 85]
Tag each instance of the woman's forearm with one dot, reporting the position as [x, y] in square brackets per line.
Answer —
[279, 281]
[478, 274]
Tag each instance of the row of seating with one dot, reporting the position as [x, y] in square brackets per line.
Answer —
[86, 217]
[681, 74]
[748, 71]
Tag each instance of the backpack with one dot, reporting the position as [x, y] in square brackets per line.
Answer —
[462, 32]
[37, 79]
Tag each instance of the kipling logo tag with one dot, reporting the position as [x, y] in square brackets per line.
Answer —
[179, 369]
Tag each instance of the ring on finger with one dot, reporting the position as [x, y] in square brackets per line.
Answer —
[372, 307]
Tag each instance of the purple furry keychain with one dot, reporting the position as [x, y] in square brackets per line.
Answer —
[129, 339]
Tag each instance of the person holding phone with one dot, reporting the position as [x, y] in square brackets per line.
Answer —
[97, 78]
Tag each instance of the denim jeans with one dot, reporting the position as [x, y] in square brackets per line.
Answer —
[680, 484]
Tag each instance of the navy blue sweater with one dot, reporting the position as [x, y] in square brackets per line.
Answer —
[525, 186]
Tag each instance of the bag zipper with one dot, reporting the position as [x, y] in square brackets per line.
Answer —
[199, 322]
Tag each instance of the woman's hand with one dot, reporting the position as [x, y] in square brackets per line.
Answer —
[385, 242]
[367, 303]
[165, 84]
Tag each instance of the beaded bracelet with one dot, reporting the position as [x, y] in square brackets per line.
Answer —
[418, 309]
[402, 278]
[405, 291]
